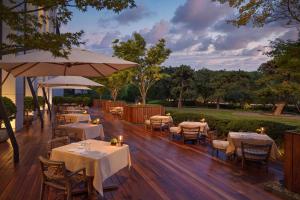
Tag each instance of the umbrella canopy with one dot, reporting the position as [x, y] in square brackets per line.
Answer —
[69, 81]
[71, 87]
[79, 63]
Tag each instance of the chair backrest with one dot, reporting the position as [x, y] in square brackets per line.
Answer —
[190, 132]
[58, 132]
[52, 170]
[60, 120]
[155, 122]
[256, 151]
[58, 142]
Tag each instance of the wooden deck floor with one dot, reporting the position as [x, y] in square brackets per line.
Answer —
[162, 169]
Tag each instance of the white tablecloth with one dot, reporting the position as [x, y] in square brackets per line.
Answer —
[85, 130]
[204, 128]
[236, 138]
[164, 119]
[101, 161]
[76, 117]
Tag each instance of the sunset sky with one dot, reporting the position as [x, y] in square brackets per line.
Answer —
[195, 30]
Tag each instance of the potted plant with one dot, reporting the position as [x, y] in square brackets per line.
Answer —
[28, 107]
[11, 110]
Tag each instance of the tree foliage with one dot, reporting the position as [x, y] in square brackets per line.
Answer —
[25, 19]
[149, 59]
[115, 82]
[182, 83]
[258, 13]
[280, 78]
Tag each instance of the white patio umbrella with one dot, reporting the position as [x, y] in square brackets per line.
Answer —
[70, 87]
[42, 63]
[80, 62]
[70, 81]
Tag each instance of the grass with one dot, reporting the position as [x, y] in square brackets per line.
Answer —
[239, 114]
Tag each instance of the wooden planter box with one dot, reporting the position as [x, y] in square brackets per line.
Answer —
[292, 161]
[106, 104]
[139, 113]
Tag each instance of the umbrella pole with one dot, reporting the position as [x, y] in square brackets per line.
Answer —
[47, 101]
[35, 101]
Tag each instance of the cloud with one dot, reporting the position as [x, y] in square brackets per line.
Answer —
[126, 17]
[199, 15]
[133, 15]
[158, 31]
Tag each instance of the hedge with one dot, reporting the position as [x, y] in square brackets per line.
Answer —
[274, 129]
[86, 101]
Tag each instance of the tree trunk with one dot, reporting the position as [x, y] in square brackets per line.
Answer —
[114, 94]
[144, 98]
[218, 103]
[180, 99]
[279, 108]
[180, 96]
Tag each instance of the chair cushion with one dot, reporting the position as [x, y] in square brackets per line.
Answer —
[174, 130]
[147, 122]
[220, 144]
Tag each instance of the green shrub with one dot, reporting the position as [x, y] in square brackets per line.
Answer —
[10, 107]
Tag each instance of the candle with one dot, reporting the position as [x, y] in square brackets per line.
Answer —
[262, 130]
[120, 138]
[98, 121]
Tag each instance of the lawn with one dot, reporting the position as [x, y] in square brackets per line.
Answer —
[239, 114]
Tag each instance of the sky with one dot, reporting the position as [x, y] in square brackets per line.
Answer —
[196, 31]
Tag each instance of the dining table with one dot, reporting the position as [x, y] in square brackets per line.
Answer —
[85, 131]
[204, 128]
[235, 140]
[164, 118]
[76, 117]
[100, 159]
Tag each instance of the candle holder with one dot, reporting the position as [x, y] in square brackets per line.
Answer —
[96, 121]
[262, 130]
[120, 140]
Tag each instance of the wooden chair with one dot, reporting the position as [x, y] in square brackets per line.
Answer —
[217, 144]
[58, 132]
[147, 122]
[190, 133]
[156, 124]
[57, 142]
[55, 174]
[255, 153]
[60, 120]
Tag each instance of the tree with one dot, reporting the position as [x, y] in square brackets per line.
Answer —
[261, 12]
[182, 81]
[117, 81]
[203, 83]
[281, 75]
[25, 25]
[162, 88]
[149, 60]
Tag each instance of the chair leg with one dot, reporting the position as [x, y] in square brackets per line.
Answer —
[243, 163]
[42, 191]
[69, 194]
